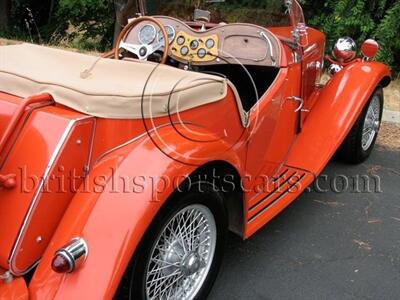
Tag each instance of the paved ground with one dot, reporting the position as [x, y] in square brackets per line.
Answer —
[391, 116]
[325, 245]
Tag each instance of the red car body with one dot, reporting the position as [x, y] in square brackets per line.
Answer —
[42, 139]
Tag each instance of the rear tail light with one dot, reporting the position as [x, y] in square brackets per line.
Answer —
[70, 257]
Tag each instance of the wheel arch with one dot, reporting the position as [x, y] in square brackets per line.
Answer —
[227, 179]
[386, 80]
[340, 102]
[223, 176]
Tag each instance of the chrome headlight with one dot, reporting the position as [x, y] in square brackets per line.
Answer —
[333, 69]
[345, 49]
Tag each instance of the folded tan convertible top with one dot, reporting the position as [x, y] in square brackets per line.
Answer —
[105, 87]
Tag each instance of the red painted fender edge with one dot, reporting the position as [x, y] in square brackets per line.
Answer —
[113, 222]
[337, 108]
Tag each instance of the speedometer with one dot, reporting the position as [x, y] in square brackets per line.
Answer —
[147, 34]
[171, 34]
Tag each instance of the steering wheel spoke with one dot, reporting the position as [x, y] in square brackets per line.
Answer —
[130, 48]
[141, 51]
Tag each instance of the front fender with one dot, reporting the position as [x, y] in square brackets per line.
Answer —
[112, 217]
[337, 108]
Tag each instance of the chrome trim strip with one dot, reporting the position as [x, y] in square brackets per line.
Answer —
[310, 48]
[91, 146]
[273, 203]
[271, 50]
[13, 269]
[259, 203]
[276, 179]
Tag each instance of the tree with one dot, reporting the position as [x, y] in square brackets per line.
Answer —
[124, 10]
[360, 19]
[387, 35]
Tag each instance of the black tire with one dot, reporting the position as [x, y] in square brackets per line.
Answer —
[133, 285]
[351, 151]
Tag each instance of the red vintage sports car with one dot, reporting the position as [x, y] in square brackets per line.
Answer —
[120, 175]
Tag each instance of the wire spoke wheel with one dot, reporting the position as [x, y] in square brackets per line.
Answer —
[182, 254]
[361, 139]
[371, 123]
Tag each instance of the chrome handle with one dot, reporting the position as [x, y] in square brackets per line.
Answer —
[293, 98]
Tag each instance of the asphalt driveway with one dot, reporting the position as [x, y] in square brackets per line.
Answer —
[326, 245]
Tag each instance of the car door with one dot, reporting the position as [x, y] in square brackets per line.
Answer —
[273, 126]
[275, 121]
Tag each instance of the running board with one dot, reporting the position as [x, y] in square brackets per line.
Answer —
[277, 195]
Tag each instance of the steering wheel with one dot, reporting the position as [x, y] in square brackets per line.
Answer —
[142, 51]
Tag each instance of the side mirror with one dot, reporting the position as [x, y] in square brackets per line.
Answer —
[369, 49]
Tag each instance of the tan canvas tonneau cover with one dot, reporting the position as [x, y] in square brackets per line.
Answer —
[105, 87]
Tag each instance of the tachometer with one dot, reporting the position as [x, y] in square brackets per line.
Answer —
[147, 34]
[171, 34]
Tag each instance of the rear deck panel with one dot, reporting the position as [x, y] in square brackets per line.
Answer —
[46, 147]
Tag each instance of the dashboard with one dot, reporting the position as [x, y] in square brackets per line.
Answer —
[223, 44]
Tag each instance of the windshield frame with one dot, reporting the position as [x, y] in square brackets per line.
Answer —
[294, 8]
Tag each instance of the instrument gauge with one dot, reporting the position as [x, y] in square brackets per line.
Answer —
[180, 40]
[194, 44]
[202, 53]
[170, 32]
[210, 43]
[147, 34]
[184, 51]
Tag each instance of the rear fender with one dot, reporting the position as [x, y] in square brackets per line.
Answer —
[336, 110]
[113, 218]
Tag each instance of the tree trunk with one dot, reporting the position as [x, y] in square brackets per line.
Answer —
[5, 6]
[124, 9]
[51, 11]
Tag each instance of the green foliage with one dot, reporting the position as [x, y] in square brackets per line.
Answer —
[360, 19]
[89, 24]
[92, 22]
[263, 12]
[388, 35]
[86, 24]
